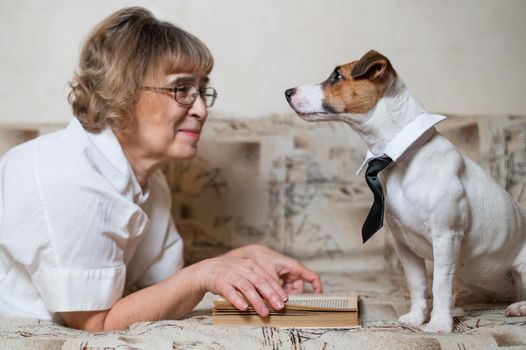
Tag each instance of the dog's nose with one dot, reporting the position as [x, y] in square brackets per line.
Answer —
[289, 93]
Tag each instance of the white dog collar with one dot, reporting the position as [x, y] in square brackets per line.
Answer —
[406, 138]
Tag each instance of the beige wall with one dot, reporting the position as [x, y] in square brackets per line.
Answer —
[457, 56]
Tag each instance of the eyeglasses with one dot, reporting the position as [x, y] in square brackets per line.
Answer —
[186, 94]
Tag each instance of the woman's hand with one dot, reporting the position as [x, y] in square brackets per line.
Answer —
[290, 272]
[242, 282]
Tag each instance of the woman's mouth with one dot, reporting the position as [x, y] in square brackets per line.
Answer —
[191, 132]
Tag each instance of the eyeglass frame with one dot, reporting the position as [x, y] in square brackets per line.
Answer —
[199, 91]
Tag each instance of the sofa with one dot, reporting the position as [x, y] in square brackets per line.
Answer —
[291, 185]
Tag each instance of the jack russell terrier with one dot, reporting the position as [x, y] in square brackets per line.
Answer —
[439, 205]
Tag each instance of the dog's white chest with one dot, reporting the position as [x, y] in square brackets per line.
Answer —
[408, 219]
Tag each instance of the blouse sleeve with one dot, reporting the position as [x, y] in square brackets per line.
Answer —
[82, 266]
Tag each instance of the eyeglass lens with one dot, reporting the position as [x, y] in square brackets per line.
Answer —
[187, 94]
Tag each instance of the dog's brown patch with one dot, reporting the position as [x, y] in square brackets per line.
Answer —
[357, 86]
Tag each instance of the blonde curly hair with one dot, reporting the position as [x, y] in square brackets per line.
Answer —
[119, 54]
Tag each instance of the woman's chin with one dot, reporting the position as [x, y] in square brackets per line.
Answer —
[186, 153]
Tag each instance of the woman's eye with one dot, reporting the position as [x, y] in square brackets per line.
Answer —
[183, 89]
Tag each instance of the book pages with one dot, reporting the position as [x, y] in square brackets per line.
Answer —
[322, 302]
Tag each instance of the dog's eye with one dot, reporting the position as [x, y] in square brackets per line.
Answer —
[336, 76]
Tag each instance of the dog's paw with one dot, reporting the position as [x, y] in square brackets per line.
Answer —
[440, 323]
[414, 318]
[516, 309]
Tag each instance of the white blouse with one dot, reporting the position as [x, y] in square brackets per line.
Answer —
[76, 230]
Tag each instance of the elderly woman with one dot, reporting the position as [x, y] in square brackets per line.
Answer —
[86, 235]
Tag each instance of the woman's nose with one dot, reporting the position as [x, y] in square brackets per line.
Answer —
[199, 109]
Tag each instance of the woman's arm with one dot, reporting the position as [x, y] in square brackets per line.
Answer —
[241, 281]
[171, 298]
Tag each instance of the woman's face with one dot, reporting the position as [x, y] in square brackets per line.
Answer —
[165, 129]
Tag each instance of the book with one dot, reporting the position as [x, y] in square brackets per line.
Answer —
[300, 311]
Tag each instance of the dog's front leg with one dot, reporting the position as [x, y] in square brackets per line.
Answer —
[446, 249]
[415, 274]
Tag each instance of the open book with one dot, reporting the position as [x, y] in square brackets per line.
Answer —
[300, 311]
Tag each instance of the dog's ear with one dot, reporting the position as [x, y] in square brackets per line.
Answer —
[372, 65]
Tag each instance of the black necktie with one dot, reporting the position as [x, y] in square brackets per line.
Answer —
[375, 218]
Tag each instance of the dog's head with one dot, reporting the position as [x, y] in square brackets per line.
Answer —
[353, 88]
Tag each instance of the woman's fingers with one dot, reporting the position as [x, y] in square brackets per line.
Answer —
[255, 285]
[314, 280]
[239, 284]
[250, 293]
[295, 274]
[278, 288]
[231, 294]
[267, 287]
[294, 287]
[240, 293]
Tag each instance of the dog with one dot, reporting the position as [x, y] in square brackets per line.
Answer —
[439, 204]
